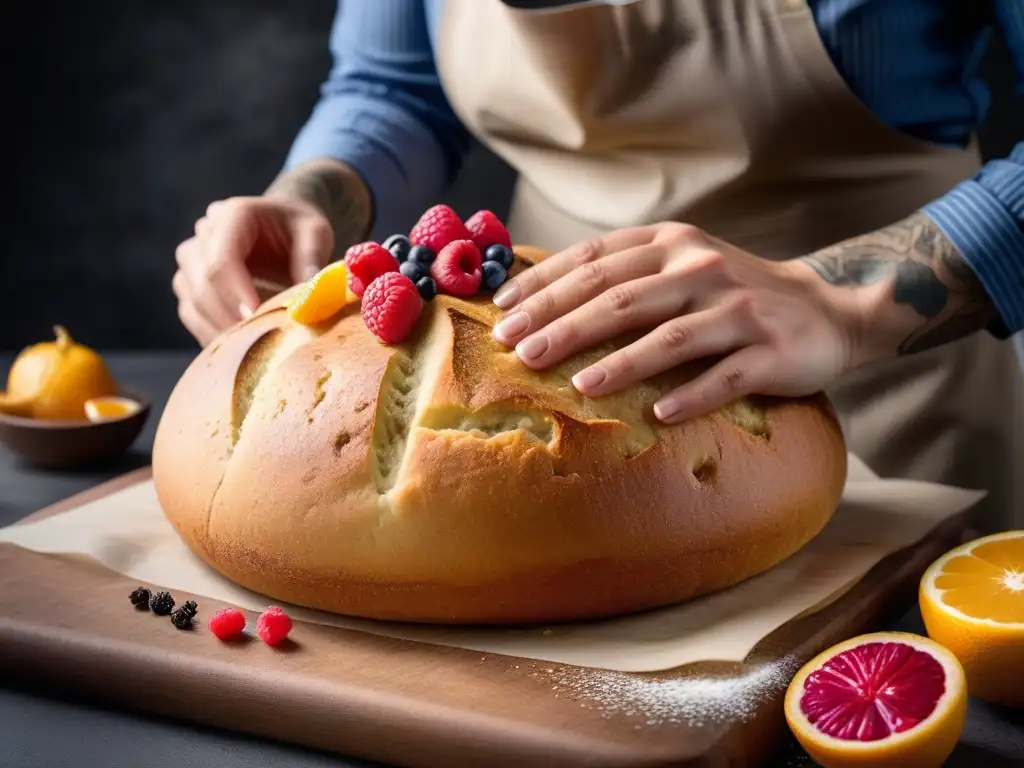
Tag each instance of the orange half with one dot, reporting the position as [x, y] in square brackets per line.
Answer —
[972, 602]
[887, 699]
[321, 297]
[101, 409]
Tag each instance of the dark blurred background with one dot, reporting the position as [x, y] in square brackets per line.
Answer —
[124, 119]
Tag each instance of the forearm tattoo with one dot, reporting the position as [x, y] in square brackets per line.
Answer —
[336, 190]
[927, 274]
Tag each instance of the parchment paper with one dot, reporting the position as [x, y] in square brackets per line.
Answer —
[128, 533]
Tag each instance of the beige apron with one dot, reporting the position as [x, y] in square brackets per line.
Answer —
[730, 115]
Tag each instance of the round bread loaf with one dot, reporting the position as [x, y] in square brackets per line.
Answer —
[441, 480]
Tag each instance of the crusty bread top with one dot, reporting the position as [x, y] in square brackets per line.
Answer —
[442, 458]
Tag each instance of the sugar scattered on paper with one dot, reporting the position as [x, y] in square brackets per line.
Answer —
[692, 701]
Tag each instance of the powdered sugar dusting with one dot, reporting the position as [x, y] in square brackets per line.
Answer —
[692, 701]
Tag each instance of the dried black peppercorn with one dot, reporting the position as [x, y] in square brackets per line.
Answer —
[162, 603]
[140, 598]
[182, 618]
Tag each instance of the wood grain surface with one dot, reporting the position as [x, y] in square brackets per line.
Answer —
[68, 623]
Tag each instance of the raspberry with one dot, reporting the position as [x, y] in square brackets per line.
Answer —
[357, 286]
[486, 230]
[457, 269]
[227, 623]
[273, 625]
[437, 227]
[391, 307]
[366, 262]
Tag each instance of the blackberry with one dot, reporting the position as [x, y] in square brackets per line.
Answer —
[422, 255]
[162, 603]
[399, 246]
[427, 288]
[413, 271]
[501, 254]
[190, 607]
[140, 598]
[493, 275]
[182, 618]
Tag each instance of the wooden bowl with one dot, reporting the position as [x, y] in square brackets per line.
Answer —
[69, 444]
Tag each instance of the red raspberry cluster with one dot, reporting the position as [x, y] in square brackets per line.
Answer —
[273, 625]
[442, 254]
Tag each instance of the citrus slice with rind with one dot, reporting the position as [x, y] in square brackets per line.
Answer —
[884, 699]
[100, 409]
[322, 296]
[972, 602]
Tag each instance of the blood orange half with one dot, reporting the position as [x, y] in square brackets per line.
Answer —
[886, 699]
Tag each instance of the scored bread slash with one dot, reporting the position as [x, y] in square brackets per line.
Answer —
[321, 297]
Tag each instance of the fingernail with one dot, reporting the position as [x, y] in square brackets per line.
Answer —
[506, 295]
[512, 326]
[245, 311]
[665, 409]
[589, 378]
[533, 347]
[310, 272]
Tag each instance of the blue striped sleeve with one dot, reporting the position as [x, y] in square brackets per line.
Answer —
[984, 216]
[382, 109]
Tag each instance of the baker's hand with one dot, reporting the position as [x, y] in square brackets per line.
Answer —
[773, 323]
[308, 215]
[279, 241]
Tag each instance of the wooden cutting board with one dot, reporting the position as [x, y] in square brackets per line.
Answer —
[68, 624]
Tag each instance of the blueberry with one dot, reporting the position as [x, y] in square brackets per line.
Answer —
[399, 246]
[427, 288]
[494, 275]
[422, 255]
[412, 270]
[501, 254]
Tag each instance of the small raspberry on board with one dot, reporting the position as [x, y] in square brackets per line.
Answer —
[486, 230]
[273, 625]
[391, 307]
[366, 262]
[227, 623]
[437, 227]
[456, 270]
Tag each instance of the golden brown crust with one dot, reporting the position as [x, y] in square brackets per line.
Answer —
[440, 480]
